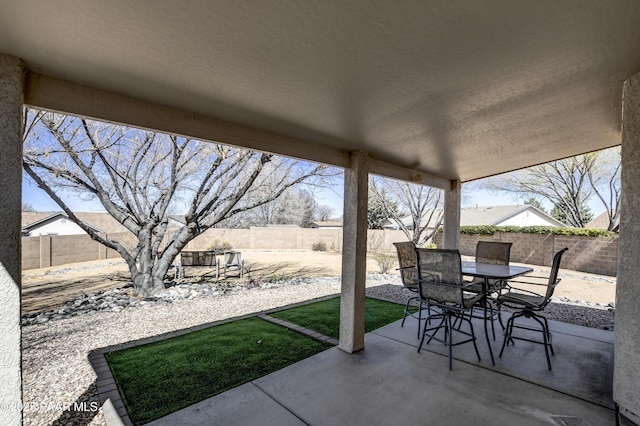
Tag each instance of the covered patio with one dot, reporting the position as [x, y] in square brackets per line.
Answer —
[389, 383]
[437, 93]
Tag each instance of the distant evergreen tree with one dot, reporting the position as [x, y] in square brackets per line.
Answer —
[535, 203]
[565, 214]
[378, 213]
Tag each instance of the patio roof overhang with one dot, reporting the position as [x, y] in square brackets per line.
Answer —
[440, 88]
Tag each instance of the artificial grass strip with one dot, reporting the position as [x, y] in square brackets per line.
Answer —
[324, 316]
[159, 378]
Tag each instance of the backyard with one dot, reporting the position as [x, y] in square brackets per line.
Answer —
[55, 365]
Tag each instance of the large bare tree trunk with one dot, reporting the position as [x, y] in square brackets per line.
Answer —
[140, 176]
[147, 284]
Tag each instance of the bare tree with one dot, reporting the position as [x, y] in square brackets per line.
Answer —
[565, 183]
[26, 207]
[422, 205]
[324, 213]
[140, 176]
[605, 180]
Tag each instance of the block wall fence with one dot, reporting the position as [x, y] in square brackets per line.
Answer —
[596, 255]
[587, 254]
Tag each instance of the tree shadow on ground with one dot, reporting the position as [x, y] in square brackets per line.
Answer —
[284, 270]
[82, 411]
[52, 295]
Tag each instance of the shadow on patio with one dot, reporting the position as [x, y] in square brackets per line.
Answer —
[390, 383]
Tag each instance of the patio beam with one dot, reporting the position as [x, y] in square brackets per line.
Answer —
[626, 372]
[354, 253]
[452, 204]
[392, 171]
[53, 94]
[49, 93]
[11, 98]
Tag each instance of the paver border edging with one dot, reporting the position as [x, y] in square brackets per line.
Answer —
[113, 408]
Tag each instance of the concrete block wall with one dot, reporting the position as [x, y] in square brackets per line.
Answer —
[596, 255]
[54, 250]
[588, 254]
[291, 238]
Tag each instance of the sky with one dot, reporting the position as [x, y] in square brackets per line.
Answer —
[332, 197]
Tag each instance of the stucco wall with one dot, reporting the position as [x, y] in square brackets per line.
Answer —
[11, 94]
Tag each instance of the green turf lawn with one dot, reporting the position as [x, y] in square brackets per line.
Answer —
[159, 378]
[324, 316]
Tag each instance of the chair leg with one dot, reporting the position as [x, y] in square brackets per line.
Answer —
[420, 316]
[449, 340]
[544, 338]
[406, 309]
[493, 327]
[546, 324]
[473, 336]
[508, 331]
[499, 308]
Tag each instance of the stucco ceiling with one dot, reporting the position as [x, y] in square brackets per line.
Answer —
[458, 89]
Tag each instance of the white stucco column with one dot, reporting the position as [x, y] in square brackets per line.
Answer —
[626, 372]
[354, 253]
[452, 203]
[11, 98]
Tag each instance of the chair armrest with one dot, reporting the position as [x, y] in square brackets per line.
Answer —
[407, 268]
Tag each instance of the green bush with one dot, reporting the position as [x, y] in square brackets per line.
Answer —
[319, 246]
[542, 230]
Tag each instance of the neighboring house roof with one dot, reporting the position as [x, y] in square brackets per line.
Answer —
[600, 222]
[58, 228]
[500, 215]
[326, 224]
[407, 221]
[100, 221]
[493, 216]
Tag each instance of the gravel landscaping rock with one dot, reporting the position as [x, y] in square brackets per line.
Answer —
[58, 381]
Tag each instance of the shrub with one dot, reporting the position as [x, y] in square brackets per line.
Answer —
[319, 246]
[219, 247]
[543, 230]
[385, 261]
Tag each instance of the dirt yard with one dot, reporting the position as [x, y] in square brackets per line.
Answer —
[48, 288]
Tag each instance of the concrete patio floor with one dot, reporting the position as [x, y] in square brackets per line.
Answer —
[390, 383]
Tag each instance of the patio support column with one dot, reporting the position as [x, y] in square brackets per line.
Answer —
[452, 203]
[354, 253]
[626, 371]
[11, 99]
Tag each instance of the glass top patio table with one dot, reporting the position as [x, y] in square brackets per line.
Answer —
[490, 271]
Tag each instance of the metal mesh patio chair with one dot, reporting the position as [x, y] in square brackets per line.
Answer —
[495, 253]
[528, 304]
[440, 284]
[409, 274]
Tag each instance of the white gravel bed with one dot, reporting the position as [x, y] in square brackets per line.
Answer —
[57, 374]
